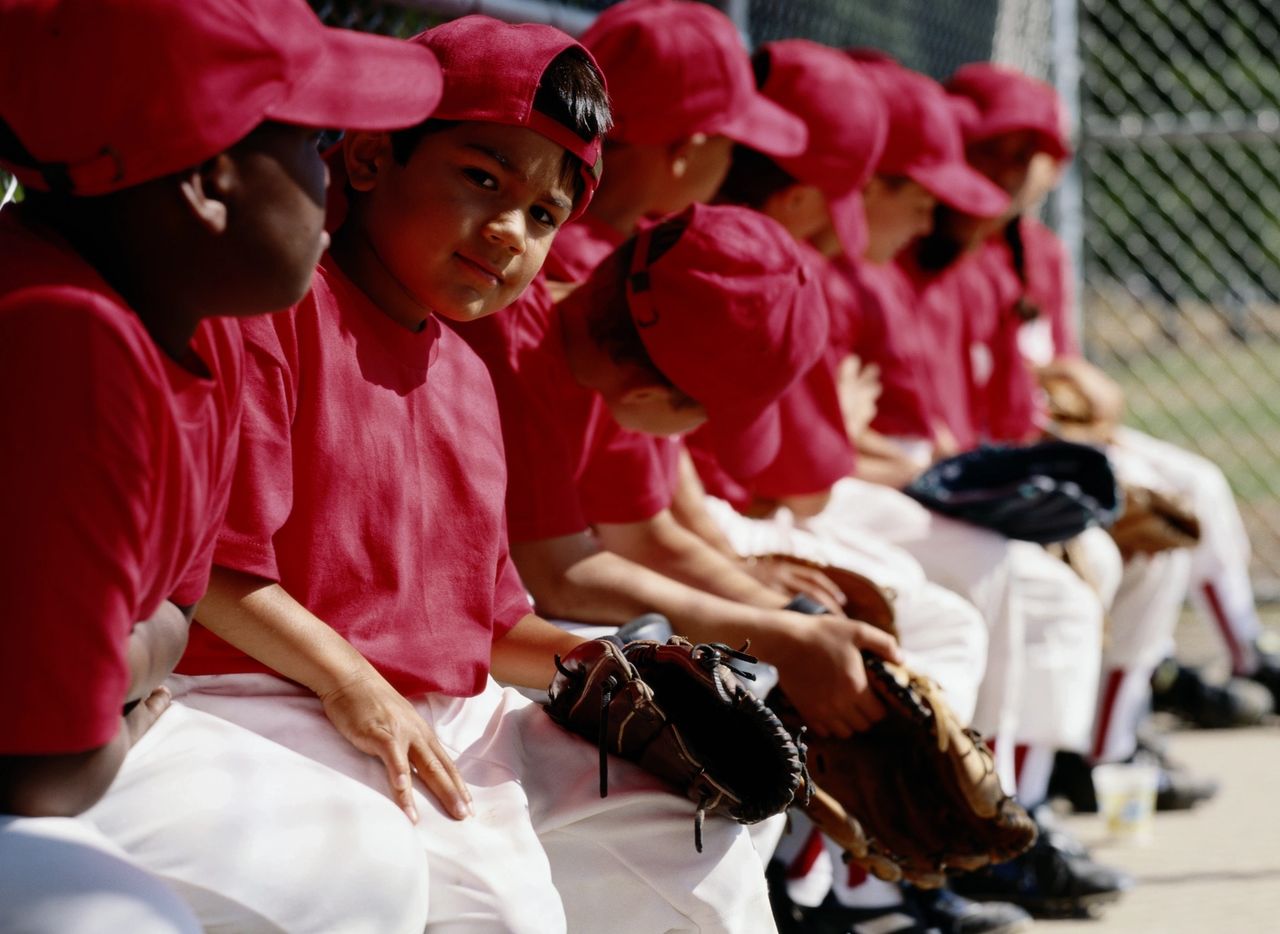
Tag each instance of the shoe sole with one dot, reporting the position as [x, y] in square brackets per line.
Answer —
[1066, 906]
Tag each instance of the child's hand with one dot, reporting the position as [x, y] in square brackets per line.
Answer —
[375, 719]
[145, 713]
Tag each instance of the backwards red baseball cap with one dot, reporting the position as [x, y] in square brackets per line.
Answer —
[107, 94]
[847, 122]
[733, 316]
[925, 142]
[492, 71]
[676, 68]
[1005, 100]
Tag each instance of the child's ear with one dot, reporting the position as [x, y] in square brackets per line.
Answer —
[364, 155]
[206, 189]
[679, 153]
[646, 395]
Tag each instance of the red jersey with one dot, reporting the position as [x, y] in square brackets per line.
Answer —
[370, 486]
[570, 464]
[1049, 284]
[941, 311]
[112, 489]
[888, 333]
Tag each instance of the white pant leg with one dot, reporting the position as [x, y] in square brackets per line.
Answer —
[544, 851]
[942, 635]
[1220, 587]
[1142, 622]
[971, 562]
[1062, 650]
[62, 876]
[249, 833]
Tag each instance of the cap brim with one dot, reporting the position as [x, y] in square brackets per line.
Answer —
[961, 187]
[767, 128]
[850, 221]
[745, 446]
[364, 82]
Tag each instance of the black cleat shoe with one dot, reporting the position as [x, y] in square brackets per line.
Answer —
[1047, 881]
[833, 918]
[954, 914]
[1180, 690]
[1072, 781]
[1267, 674]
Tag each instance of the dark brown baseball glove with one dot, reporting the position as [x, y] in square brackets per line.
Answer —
[1153, 522]
[916, 795]
[680, 711]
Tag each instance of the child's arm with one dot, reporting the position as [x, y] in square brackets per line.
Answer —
[155, 645]
[688, 506]
[525, 654]
[261, 619]
[818, 657]
[662, 544]
[67, 784]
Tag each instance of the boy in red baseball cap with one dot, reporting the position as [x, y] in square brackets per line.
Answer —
[364, 600]
[167, 150]
[683, 94]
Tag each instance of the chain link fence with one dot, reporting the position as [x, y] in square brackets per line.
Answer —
[1180, 158]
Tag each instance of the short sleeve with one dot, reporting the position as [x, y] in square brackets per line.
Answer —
[262, 489]
[628, 477]
[76, 488]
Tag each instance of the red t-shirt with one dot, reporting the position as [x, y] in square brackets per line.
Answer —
[370, 486]
[1049, 284]
[112, 488]
[570, 464]
[579, 248]
[941, 312]
[888, 334]
[1003, 391]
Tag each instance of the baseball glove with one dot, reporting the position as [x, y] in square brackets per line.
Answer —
[916, 795]
[1152, 522]
[864, 599]
[679, 711]
[1046, 492]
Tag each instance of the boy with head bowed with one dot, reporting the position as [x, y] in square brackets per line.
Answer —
[364, 602]
[168, 153]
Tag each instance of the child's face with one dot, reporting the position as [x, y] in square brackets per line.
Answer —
[898, 211]
[277, 220]
[466, 223]
[1006, 160]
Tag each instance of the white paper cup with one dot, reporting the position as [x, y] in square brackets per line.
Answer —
[1127, 798]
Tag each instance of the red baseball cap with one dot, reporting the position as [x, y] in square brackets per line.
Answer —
[492, 71]
[107, 94]
[676, 68]
[732, 315]
[925, 142]
[847, 122]
[1005, 100]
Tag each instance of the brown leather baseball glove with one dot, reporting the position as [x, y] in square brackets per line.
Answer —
[916, 795]
[679, 711]
[1153, 522]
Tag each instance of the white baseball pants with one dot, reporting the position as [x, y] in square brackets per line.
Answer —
[249, 835]
[545, 852]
